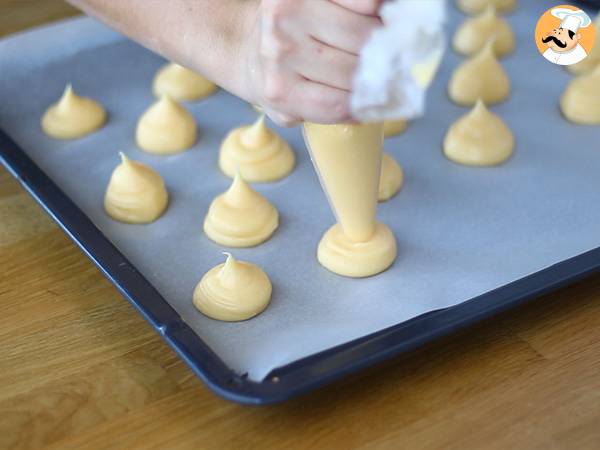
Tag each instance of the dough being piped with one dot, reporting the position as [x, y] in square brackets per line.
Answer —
[166, 128]
[474, 33]
[394, 127]
[73, 116]
[477, 6]
[348, 160]
[479, 138]
[136, 193]
[240, 217]
[181, 84]
[593, 58]
[258, 152]
[580, 102]
[480, 77]
[391, 179]
[233, 291]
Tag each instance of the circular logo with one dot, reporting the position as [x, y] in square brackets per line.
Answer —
[565, 35]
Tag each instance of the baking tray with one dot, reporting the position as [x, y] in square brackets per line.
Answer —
[545, 251]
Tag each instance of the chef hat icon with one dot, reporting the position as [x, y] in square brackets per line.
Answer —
[572, 19]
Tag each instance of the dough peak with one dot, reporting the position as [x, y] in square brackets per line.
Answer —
[166, 128]
[475, 32]
[73, 116]
[136, 193]
[256, 135]
[233, 291]
[479, 138]
[257, 152]
[480, 77]
[240, 217]
[593, 59]
[181, 84]
[240, 193]
[580, 103]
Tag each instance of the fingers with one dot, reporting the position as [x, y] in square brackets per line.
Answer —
[316, 102]
[306, 56]
[289, 99]
[339, 27]
[326, 65]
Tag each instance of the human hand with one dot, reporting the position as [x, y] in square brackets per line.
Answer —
[299, 57]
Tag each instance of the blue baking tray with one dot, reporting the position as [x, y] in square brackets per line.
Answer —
[300, 376]
[305, 374]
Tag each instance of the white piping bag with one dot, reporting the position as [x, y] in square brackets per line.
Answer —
[399, 61]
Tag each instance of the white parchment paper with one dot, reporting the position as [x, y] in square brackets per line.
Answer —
[461, 231]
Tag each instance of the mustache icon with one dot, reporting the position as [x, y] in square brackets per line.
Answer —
[556, 41]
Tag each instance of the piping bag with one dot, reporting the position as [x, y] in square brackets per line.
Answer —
[396, 67]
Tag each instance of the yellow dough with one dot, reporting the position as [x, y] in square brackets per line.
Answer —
[479, 138]
[258, 152]
[233, 291]
[477, 6]
[480, 77]
[394, 127]
[580, 102]
[593, 59]
[472, 36]
[391, 179]
[73, 116]
[345, 257]
[240, 217]
[136, 193]
[181, 84]
[166, 128]
[348, 160]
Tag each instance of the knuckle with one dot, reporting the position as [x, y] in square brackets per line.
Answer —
[371, 6]
[336, 107]
[275, 87]
[276, 12]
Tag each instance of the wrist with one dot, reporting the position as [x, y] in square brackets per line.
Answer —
[241, 49]
[216, 47]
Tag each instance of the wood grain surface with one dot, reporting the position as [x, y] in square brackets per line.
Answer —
[80, 369]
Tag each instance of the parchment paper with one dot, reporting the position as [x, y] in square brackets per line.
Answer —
[461, 231]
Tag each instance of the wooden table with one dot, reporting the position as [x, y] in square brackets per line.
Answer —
[80, 369]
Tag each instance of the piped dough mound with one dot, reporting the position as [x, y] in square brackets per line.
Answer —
[73, 116]
[477, 6]
[257, 152]
[233, 291]
[391, 179]
[166, 128]
[580, 103]
[394, 127]
[480, 77]
[136, 193]
[349, 258]
[181, 84]
[474, 33]
[479, 138]
[593, 59]
[240, 217]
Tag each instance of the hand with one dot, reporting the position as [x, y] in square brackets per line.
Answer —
[299, 57]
